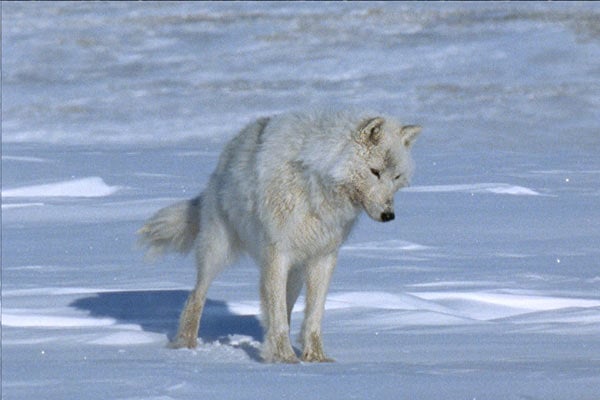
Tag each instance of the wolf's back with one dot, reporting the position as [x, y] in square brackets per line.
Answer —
[173, 228]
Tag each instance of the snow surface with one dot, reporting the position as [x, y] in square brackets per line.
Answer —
[487, 285]
[85, 187]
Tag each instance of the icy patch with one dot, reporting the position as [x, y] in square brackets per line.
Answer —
[86, 187]
[495, 188]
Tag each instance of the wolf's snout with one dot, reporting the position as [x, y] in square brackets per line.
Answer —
[387, 216]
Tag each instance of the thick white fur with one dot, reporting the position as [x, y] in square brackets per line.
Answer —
[287, 190]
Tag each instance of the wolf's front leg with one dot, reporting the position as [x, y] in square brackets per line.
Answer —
[318, 276]
[274, 276]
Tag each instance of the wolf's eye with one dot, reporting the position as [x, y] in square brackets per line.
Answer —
[376, 172]
[397, 177]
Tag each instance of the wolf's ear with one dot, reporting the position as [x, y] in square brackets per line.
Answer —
[371, 130]
[409, 133]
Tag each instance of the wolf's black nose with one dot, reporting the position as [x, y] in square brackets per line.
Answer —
[387, 216]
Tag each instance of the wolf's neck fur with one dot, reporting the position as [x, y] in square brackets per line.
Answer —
[331, 204]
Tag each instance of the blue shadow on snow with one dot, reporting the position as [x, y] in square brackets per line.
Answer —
[158, 311]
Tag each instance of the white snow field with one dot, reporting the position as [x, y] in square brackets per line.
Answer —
[486, 286]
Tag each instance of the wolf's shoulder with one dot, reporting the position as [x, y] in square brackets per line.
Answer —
[325, 116]
[317, 122]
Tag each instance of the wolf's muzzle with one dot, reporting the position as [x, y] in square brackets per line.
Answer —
[387, 216]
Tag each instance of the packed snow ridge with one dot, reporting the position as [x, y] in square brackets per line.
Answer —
[495, 188]
[85, 187]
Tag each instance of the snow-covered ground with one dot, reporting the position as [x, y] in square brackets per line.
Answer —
[487, 286]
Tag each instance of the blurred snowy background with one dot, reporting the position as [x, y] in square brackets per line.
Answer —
[487, 286]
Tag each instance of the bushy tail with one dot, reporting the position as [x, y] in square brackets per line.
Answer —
[173, 228]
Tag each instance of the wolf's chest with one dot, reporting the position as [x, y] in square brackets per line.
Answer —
[315, 234]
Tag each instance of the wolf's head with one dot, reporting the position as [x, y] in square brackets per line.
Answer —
[380, 164]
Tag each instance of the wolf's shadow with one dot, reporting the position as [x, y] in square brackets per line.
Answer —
[158, 311]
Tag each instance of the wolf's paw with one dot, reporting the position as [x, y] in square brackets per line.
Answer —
[281, 359]
[183, 343]
[316, 356]
[313, 348]
[280, 356]
[277, 349]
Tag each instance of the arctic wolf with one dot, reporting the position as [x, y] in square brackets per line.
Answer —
[287, 190]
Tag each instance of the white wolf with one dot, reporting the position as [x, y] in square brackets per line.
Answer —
[287, 190]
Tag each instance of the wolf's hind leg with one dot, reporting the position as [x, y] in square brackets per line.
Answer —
[189, 321]
[214, 251]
